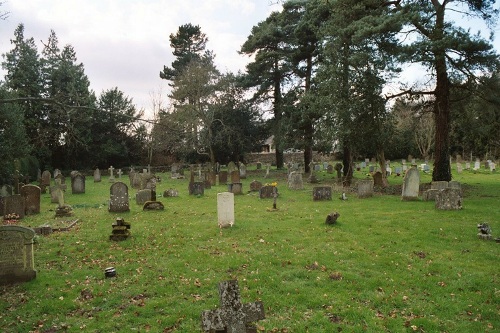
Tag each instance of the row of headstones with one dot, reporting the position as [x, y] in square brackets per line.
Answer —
[488, 165]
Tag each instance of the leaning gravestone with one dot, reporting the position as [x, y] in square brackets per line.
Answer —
[365, 188]
[449, 199]
[118, 198]
[225, 209]
[411, 184]
[97, 175]
[255, 186]
[78, 184]
[16, 254]
[232, 316]
[322, 193]
[31, 195]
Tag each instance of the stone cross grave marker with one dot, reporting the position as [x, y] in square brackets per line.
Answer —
[232, 316]
[16, 254]
[119, 173]
[225, 209]
[111, 176]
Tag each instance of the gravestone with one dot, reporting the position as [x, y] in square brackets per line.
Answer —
[57, 172]
[430, 195]
[371, 169]
[236, 188]
[492, 166]
[153, 205]
[119, 173]
[111, 175]
[329, 169]
[97, 175]
[136, 180]
[321, 193]
[225, 209]
[243, 171]
[255, 186]
[459, 168]
[467, 165]
[267, 192]
[232, 316]
[121, 230]
[365, 188]
[378, 179]
[258, 165]
[145, 195]
[196, 188]
[449, 199]
[223, 177]
[477, 165]
[411, 184]
[46, 176]
[235, 176]
[17, 262]
[78, 184]
[14, 204]
[170, 193]
[268, 167]
[31, 195]
[118, 198]
[295, 181]
[212, 178]
[231, 166]
[398, 171]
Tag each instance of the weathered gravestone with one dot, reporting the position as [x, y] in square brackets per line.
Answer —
[459, 168]
[45, 182]
[243, 171]
[231, 166]
[322, 193]
[111, 175]
[153, 205]
[295, 181]
[235, 176]
[121, 230]
[197, 188]
[78, 184]
[97, 175]
[225, 209]
[258, 165]
[378, 179]
[31, 195]
[267, 192]
[232, 316]
[236, 188]
[365, 188]
[411, 184]
[329, 169]
[223, 177]
[16, 254]
[118, 198]
[170, 193]
[14, 204]
[145, 195]
[136, 180]
[255, 186]
[449, 199]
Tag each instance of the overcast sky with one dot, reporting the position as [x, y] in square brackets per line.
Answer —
[125, 43]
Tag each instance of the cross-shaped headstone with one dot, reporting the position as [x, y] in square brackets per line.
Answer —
[232, 316]
[111, 176]
[119, 173]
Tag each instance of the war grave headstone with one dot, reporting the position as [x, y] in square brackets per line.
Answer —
[197, 188]
[492, 166]
[449, 199]
[365, 188]
[267, 191]
[78, 184]
[411, 184]
[17, 263]
[321, 193]
[223, 177]
[145, 195]
[255, 186]
[111, 175]
[232, 316]
[295, 181]
[467, 165]
[97, 175]
[120, 231]
[31, 195]
[118, 198]
[243, 171]
[225, 209]
[477, 165]
[236, 188]
[14, 204]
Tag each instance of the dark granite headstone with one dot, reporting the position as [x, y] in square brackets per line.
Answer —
[118, 198]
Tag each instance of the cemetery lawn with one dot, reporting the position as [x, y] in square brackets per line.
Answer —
[386, 266]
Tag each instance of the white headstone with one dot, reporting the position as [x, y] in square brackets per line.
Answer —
[477, 165]
[411, 184]
[225, 209]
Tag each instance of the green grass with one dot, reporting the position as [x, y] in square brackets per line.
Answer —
[386, 266]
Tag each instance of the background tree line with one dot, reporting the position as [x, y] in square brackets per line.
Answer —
[317, 82]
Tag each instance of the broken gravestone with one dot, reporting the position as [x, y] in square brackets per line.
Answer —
[232, 316]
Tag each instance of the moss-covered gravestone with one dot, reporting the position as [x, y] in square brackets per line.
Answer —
[121, 230]
[16, 254]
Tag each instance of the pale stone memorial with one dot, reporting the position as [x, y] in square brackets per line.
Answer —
[225, 209]
[365, 188]
[97, 175]
[78, 184]
[411, 184]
